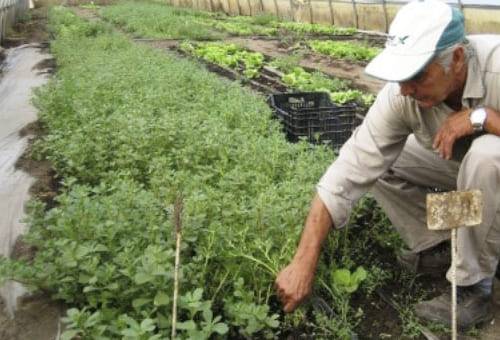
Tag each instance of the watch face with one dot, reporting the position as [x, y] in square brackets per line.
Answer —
[477, 118]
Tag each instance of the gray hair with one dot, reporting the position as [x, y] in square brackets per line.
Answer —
[445, 56]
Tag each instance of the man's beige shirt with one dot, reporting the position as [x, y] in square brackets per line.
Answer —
[378, 141]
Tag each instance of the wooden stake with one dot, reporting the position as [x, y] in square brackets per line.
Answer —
[454, 251]
[178, 227]
[453, 210]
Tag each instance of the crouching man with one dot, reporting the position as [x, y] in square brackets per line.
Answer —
[435, 124]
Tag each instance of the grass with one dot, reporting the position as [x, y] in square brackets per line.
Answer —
[152, 20]
[352, 51]
[157, 20]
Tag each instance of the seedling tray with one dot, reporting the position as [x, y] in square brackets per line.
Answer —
[313, 116]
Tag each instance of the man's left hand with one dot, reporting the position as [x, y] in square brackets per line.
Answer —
[456, 126]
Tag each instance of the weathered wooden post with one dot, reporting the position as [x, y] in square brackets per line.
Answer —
[450, 211]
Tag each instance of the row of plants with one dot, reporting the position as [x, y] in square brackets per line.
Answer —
[242, 29]
[297, 78]
[227, 55]
[269, 25]
[316, 29]
[155, 20]
[263, 25]
[340, 93]
[159, 21]
[353, 51]
[130, 131]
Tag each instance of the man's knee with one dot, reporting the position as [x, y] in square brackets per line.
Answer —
[481, 164]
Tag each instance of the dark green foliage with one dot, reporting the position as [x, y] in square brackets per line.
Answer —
[153, 20]
[344, 50]
[130, 130]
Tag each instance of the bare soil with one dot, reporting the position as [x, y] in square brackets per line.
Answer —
[86, 13]
[37, 318]
[46, 186]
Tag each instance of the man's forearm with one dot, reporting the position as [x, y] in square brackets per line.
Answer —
[317, 226]
[294, 282]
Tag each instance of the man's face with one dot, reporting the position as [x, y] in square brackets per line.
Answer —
[429, 87]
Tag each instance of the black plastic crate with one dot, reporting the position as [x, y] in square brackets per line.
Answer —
[314, 116]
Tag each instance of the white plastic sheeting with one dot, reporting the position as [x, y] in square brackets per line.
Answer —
[19, 77]
[372, 15]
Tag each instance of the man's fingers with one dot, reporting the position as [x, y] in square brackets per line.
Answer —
[443, 142]
[280, 291]
[448, 146]
[290, 306]
[292, 285]
[447, 149]
[438, 140]
[288, 301]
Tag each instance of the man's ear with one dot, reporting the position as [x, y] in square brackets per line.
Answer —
[458, 59]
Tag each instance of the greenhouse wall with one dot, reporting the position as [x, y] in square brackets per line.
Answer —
[374, 15]
[10, 10]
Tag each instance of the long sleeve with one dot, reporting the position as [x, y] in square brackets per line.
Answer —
[371, 150]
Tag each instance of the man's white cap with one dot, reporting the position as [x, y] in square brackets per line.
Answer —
[420, 30]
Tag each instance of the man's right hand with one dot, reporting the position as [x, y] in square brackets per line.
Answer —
[293, 284]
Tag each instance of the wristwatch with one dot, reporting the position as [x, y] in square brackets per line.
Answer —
[477, 119]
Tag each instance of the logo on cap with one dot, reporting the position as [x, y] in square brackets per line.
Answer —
[394, 41]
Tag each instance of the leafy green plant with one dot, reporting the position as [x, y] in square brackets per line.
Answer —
[344, 50]
[339, 91]
[138, 331]
[287, 63]
[227, 55]
[243, 28]
[203, 329]
[153, 20]
[263, 19]
[346, 281]
[315, 28]
[332, 328]
[306, 81]
[249, 317]
[83, 324]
